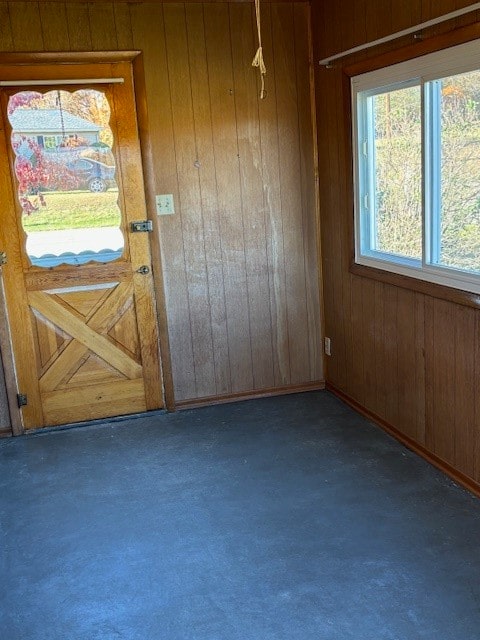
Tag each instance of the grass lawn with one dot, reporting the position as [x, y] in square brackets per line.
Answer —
[74, 210]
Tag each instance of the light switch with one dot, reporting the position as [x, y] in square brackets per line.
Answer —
[164, 203]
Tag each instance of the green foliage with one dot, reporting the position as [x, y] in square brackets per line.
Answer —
[398, 171]
[460, 221]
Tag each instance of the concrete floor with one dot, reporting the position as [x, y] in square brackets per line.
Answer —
[287, 518]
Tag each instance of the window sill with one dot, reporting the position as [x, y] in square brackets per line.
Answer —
[457, 296]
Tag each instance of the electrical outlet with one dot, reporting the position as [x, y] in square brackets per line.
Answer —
[328, 347]
[164, 204]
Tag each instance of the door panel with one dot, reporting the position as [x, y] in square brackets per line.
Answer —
[84, 331]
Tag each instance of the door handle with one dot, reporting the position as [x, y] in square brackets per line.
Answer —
[143, 269]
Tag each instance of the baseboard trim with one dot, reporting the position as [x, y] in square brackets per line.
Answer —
[250, 395]
[460, 478]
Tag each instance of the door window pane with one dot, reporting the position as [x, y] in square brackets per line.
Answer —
[66, 176]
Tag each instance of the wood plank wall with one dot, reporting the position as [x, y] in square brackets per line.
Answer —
[240, 254]
[410, 359]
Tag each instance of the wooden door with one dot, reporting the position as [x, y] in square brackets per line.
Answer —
[83, 328]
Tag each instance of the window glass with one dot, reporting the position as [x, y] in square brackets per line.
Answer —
[397, 172]
[417, 136]
[66, 176]
[459, 208]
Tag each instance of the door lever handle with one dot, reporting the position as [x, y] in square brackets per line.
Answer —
[143, 269]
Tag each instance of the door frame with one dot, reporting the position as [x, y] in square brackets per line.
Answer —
[31, 66]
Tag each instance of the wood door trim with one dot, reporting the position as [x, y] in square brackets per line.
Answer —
[157, 269]
[28, 58]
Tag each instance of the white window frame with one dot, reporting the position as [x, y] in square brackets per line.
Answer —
[417, 71]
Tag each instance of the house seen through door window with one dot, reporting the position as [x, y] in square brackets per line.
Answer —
[66, 176]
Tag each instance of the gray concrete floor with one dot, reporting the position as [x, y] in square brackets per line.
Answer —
[287, 518]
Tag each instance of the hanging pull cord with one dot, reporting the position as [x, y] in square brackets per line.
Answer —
[258, 59]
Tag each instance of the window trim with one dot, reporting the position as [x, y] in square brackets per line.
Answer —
[411, 52]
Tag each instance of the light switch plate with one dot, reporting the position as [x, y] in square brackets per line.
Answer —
[164, 204]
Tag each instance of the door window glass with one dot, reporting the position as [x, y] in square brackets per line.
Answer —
[66, 176]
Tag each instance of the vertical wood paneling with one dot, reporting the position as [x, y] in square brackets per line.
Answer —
[343, 293]
[330, 192]
[369, 347]
[239, 256]
[225, 142]
[350, 31]
[189, 202]
[463, 371]
[332, 37]
[249, 150]
[426, 12]
[53, 22]
[355, 339]
[327, 230]
[325, 133]
[208, 194]
[26, 26]
[415, 12]
[406, 363]
[152, 42]
[429, 336]
[441, 431]
[327, 39]
[359, 25]
[378, 18]
[6, 39]
[268, 114]
[438, 8]
[390, 316]
[380, 355]
[309, 175]
[475, 444]
[78, 25]
[102, 26]
[342, 288]
[123, 26]
[419, 369]
[402, 15]
[290, 188]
